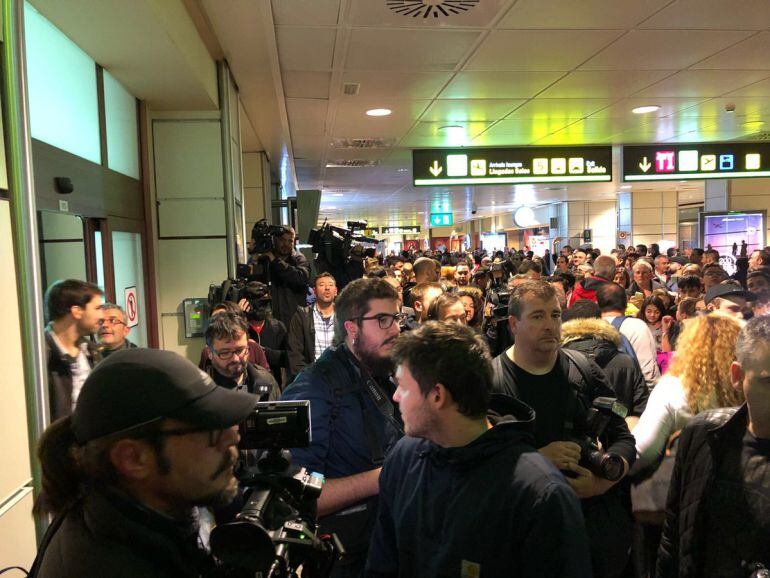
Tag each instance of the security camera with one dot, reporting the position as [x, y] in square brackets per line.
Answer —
[474, 209]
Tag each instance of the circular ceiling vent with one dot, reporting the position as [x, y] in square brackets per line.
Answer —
[428, 8]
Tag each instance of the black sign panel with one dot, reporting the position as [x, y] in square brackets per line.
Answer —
[492, 166]
[699, 161]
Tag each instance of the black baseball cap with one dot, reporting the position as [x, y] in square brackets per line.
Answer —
[137, 386]
[726, 291]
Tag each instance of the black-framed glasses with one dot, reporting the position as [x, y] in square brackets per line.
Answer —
[215, 435]
[385, 320]
[111, 321]
[228, 354]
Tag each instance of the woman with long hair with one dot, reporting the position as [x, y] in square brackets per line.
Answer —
[652, 312]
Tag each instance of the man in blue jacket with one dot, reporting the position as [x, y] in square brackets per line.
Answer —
[466, 493]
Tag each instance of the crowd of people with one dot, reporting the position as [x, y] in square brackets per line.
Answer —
[575, 414]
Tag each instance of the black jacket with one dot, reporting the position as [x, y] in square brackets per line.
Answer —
[289, 284]
[494, 504]
[600, 341]
[258, 381]
[107, 534]
[274, 340]
[60, 375]
[126, 345]
[709, 439]
[301, 340]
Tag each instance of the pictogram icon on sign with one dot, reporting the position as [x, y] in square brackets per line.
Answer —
[132, 307]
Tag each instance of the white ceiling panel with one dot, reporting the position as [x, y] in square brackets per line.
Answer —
[352, 120]
[710, 135]
[305, 12]
[526, 129]
[606, 14]
[712, 14]
[309, 147]
[306, 116]
[751, 54]
[603, 83]
[403, 85]
[427, 50]
[757, 90]
[305, 48]
[748, 108]
[707, 83]
[416, 13]
[470, 110]
[434, 129]
[572, 108]
[306, 84]
[668, 106]
[524, 138]
[534, 49]
[662, 49]
[499, 84]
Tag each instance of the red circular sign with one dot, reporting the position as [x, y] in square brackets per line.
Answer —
[131, 307]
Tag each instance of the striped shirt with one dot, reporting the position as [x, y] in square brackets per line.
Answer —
[324, 331]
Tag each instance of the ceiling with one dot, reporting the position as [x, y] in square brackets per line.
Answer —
[506, 72]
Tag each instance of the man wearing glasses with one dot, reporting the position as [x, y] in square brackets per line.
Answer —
[113, 331]
[227, 339]
[151, 439]
[354, 423]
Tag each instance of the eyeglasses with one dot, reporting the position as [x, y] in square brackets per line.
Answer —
[215, 435]
[385, 320]
[111, 321]
[225, 355]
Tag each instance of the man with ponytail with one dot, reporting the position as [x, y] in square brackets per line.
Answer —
[151, 439]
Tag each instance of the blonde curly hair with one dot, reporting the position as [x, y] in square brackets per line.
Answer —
[705, 350]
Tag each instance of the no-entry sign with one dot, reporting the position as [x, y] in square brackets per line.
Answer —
[132, 307]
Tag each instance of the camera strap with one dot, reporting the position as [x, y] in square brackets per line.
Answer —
[578, 380]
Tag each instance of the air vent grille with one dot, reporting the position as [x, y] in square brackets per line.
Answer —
[428, 8]
[363, 143]
[351, 88]
[349, 163]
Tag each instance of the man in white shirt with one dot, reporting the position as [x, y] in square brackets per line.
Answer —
[612, 301]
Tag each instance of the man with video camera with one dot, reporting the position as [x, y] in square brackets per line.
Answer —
[353, 421]
[150, 440]
[466, 493]
[287, 273]
[574, 406]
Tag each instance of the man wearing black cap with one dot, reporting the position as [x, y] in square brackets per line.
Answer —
[151, 438]
[727, 298]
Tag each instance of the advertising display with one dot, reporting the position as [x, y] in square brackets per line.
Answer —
[733, 235]
[492, 166]
[699, 161]
[538, 244]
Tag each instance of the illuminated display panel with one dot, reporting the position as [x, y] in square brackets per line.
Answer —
[733, 234]
[402, 230]
[696, 161]
[441, 219]
[491, 166]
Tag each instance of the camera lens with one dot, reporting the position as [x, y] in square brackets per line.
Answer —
[612, 467]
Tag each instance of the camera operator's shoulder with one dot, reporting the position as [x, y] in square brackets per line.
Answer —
[406, 451]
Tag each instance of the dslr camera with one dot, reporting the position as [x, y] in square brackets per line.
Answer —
[601, 463]
[276, 533]
[262, 234]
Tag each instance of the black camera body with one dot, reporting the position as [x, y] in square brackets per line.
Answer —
[262, 234]
[276, 532]
[256, 294]
[601, 463]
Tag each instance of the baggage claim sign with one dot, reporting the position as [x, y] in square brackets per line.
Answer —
[696, 161]
[522, 165]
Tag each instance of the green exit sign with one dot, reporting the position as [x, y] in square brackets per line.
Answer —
[441, 220]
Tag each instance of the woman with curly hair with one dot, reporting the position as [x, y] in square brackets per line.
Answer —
[474, 306]
[698, 379]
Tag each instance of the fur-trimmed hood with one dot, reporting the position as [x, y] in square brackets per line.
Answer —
[579, 329]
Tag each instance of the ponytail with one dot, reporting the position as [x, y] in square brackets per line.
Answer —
[61, 475]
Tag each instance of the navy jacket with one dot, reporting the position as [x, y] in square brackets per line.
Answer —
[495, 507]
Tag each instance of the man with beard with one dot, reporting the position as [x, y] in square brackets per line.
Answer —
[151, 438]
[462, 274]
[113, 330]
[353, 421]
[228, 351]
[75, 313]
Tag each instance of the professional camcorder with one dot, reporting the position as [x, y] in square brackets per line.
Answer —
[255, 293]
[276, 534]
[603, 464]
[262, 236]
[334, 244]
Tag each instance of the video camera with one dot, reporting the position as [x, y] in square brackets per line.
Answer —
[262, 234]
[603, 464]
[333, 244]
[276, 533]
[256, 294]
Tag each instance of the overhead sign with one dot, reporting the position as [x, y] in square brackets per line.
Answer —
[441, 220]
[371, 231]
[132, 307]
[696, 161]
[401, 230]
[490, 166]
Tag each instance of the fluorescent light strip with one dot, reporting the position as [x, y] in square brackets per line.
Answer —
[482, 181]
[697, 176]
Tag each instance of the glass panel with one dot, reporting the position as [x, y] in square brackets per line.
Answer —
[99, 259]
[127, 257]
[63, 104]
[122, 135]
[62, 247]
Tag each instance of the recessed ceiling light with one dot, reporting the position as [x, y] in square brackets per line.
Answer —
[379, 112]
[645, 109]
[420, 212]
[338, 195]
[402, 170]
[450, 128]
[625, 186]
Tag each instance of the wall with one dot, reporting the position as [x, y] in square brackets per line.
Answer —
[600, 217]
[256, 188]
[654, 217]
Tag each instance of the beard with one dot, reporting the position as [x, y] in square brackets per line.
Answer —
[377, 365]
